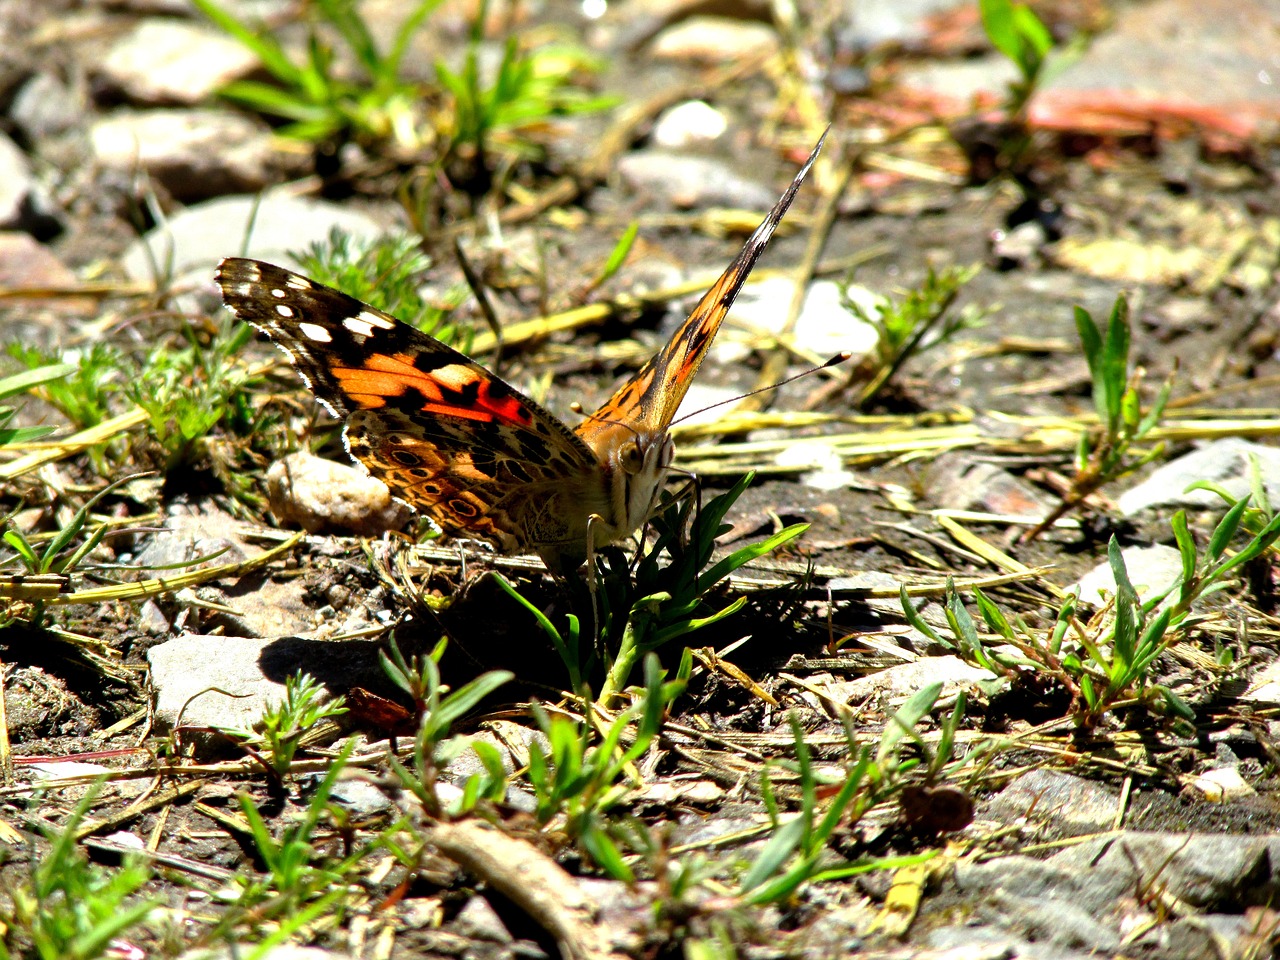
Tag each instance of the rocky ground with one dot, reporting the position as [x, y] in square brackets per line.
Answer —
[1039, 802]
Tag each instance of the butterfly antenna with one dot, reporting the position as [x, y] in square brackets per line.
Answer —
[837, 359]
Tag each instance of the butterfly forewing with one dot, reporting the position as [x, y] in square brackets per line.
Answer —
[447, 436]
[650, 399]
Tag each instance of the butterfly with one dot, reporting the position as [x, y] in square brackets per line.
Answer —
[451, 439]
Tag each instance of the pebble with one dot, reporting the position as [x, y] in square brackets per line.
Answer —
[1225, 462]
[23, 203]
[172, 61]
[828, 470]
[229, 682]
[479, 921]
[824, 327]
[681, 181]
[44, 106]
[192, 241]
[960, 481]
[323, 496]
[24, 262]
[905, 679]
[708, 39]
[1152, 570]
[193, 154]
[1071, 805]
[1222, 784]
[694, 123]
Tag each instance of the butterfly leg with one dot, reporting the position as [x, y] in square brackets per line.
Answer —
[593, 575]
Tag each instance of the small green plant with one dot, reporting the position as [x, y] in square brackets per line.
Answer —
[666, 599]
[188, 392]
[1017, 32]
[319, 103]
[580, 783]
[83, 397]
[528, 87]
[920, 321]
[298, 883]
[284, 725]
[1105, 664]
[67, 908]
[796, 852]
[61, 554]
[19, 383]
[437, 709]
[386, 273]
[1106, 454]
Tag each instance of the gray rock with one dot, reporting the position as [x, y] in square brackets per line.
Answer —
[194, 154]
[683, 181]
[1152, 570]
[1059, 922]
[228, 682]
[1225, 462]
[211, 681]
[903, 680]
[191, 535]
[190, 244]
[1204, 870]
[960, 481]
[1209, 53]
[44, 107]
[980, 942]
[23, 203]
[171, 61]
[323, 496]
[1071, 806]
[870, 23]
[480, 921]
[360, 797]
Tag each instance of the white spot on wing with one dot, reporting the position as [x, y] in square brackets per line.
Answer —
[374, 320]
[283, 310]
[278, 293]
[298, 283]
[361, 328]
[313, 331]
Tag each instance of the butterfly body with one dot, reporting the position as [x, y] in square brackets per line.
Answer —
[462, 446]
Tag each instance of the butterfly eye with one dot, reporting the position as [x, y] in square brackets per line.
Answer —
[632, 458]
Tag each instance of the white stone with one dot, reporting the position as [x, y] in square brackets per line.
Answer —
[323, 496]
[714, 39]
[1222, 784]
[174, 61]
[690, 124]
[1152, 570]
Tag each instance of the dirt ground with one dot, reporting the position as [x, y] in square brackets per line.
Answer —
[938, 477]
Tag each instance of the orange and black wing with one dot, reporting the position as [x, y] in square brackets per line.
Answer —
[448, 437]
[649, 400]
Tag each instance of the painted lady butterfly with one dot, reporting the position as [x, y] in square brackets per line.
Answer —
[452, 440]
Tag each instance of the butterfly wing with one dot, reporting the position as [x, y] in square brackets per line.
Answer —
[449, 438]
[650, 399]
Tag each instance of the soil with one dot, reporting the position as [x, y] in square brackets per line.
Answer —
[76, 682]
